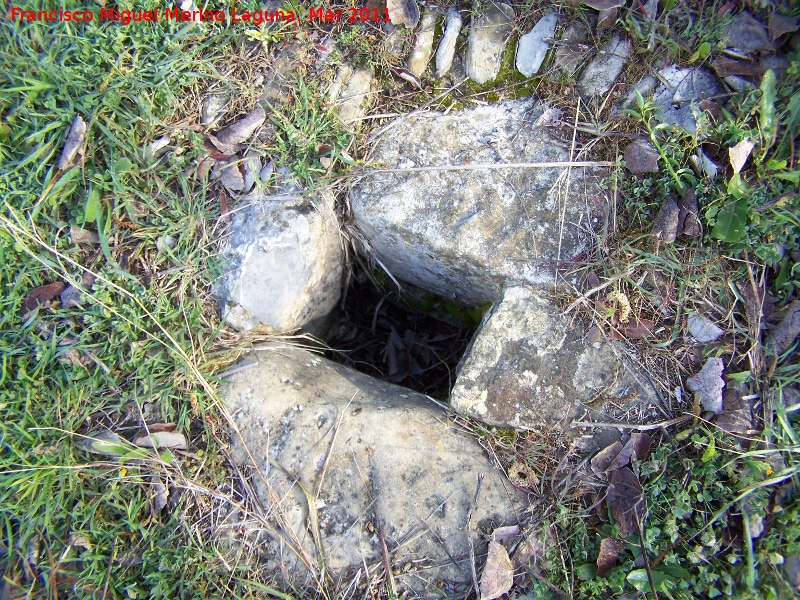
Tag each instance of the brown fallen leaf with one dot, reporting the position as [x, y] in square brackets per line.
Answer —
[736, 417]
[594, 335]
[41, 295]
[641, 329]
[603, 459]
[725, 66]
[504, 535]
[242, 129]
[787, 330]
[160, 495]
[609, 554]
[665, 227]
[231, 176]
[781, 24]
[162, 439]
[403, 12]
[688, 223]
[638, 445]
[217, 150]
[72, 152]
[498, 574]
[625, 501]
[607, 18]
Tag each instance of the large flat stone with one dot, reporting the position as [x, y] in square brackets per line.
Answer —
[467, 234]
[284, 264]
[529, 367]
[374, 457]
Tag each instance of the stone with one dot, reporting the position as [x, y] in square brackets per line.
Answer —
[376, 460]
[423, 49]
[285, 264]
[533, 46]
[447, 45]
[641, 157]
[600, 74]
[680, 91]
[490, 31]
[747, 35]
[529, 367]
[645, 86]
[212, 108]
[355, 98]
[573, 47]
[288, 64]
[403, 12]
[466, 234]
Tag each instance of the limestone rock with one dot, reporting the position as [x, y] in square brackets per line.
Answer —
[602, 72]
[351, 92]
[285, 68]
[533, 46]
[466, 234]
[529, 367]
[374, 457]
[488, 36]
[423, 49]
[447, 46]
[644, 86]
[285, 264]
[679, 92]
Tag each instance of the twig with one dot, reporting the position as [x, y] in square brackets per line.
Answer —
[670, 423]
[469, 535]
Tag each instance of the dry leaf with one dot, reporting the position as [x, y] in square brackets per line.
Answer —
[408, 76]
[72, 152]
[242, 129]
[787, 330]
[504, 535]
[625, 500]
[708, 384]
[609, 554]
[163, 439]
[403, 12]
[665, 227]
[603, 4]
[161, 493]
[594, 335]
[603, 459]
[740, 153]
[641, 157]
[641, 329]
[41, 295]
[217, 149]
[607, 18]
[498, 574]
[688, 223]
[703, 330]
[157, 147]
[780, 24]
[737, 413]
[231, 177]
[638, 445]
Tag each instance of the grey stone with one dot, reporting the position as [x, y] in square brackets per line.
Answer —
[165, 242]
[572, 49]
[376, 459]
[447, 45]
[281, 77]
[488, 36]
[529, 367]
[645, 86]
[641, 157]
[533, 46]
[747, 35]
[72, 297]
[355, 97]
[423, 49]
[466, 234]
[285, 264]
[679, 92]
[600, 74]
[403, 12]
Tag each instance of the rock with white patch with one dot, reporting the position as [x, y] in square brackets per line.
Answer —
[375, 460]
[600, 74]
[490, 31]
[533, 46]
[680, 92]
[352, 91]
[466, 234]
[447, 46]
[530, 367]
[284, 264]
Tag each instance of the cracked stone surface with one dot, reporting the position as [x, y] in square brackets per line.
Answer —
[529, 367]
[374, 457]
[423, 49]
[600, 74]
[534, 45]
[285, 264]
[680, 91]
[467, 234]
[351, 93]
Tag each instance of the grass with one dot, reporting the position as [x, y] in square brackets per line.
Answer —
[146, 343]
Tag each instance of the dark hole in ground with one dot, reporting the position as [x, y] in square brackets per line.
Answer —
[414, 338]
